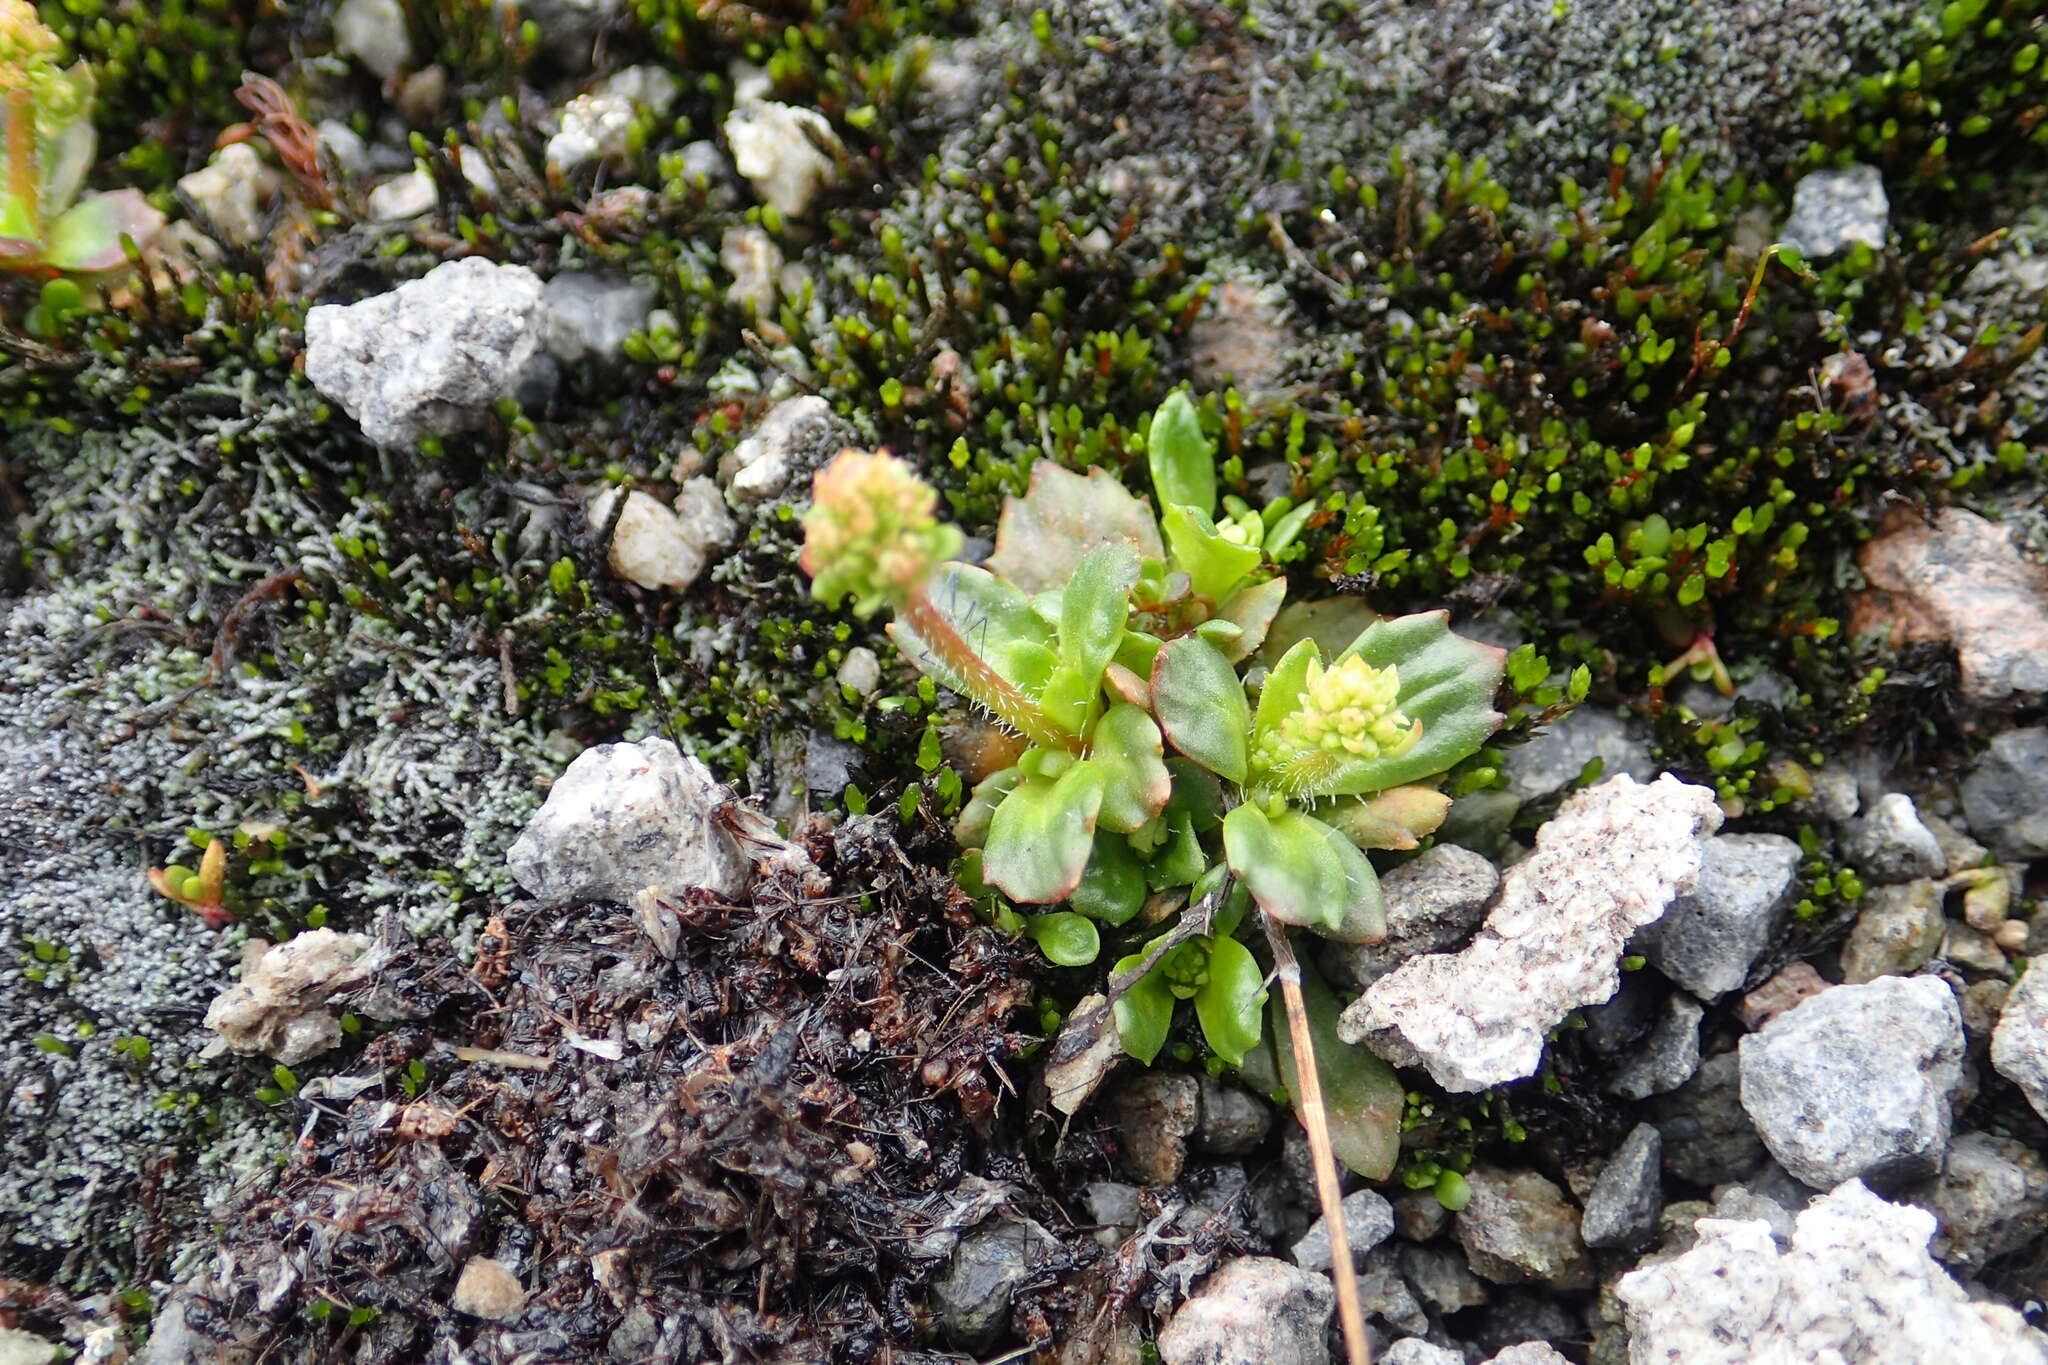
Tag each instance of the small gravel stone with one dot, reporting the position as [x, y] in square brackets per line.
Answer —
[1888, 843]
[1531, 1353]
[1556, 757]
[662, 548]
[375, 33]
[1708, 1139]
[1856, 1081]
[1668, 1057]
[588, 316]
[1960, 579]
[1441, 1278]
[1115, 1209]
[1368, 1221]
[2005, 797]
[2019, 1045]
[1241, 337]
[1253, 1311]
[1833, 210]
[1972, 951]
[1517, 1319]
[783, 151]
[1383, 1294]
[488, 1289]
[860, 670]
[433, 355]
[972, 1294]
[235, 190]
[1434, 901]
[1517, 1227]
[1155, 1114]
[1792, 983]
[1959, 851]
[279, 1007]
[1416, 1351]
[1710, 937]
[1898, 931]
[598, 126]
[25, 1348]
[623, 817]
[1622, 1209]
[1419, 1215]
[1234, 1121]
[402, 197]
[1991, 1199]
[796, 437]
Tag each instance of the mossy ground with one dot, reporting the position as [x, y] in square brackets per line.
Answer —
[1523, 358]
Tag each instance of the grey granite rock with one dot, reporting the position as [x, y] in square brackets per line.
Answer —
[588, 316]
[1441, 1278]
[1234, 1121]
[972, 1294]
[624, 817]
[1708, 1138]
[1857, 1284]
[1368, 1221]
[796, 437]
[1856, 1081]
[2019, 1044]
[1518, 1227]
[1609, 862]
[1888, 843]
[1416, 1351]
[1622, 1209]
[432, 356]
[1990, 1199]
[1958, 578]
[1835, 209]
[1253, 1311]
[1710, 937]
[1156, 1112]
[1555, 758]
[1898, 930]
[1384, 1295]
[1433, 901]
[1666, 1059]
[2005, 796]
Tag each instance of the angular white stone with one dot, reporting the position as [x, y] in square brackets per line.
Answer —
[1608, 863]
[279, 1007]
[777, 147]
[2019, 1045]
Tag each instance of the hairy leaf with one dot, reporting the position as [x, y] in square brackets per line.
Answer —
[1043, 536]
[1042, 834]
[970, 827]
[1093, 608]
[1200, 704]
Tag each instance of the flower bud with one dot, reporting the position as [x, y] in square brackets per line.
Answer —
[872, 532]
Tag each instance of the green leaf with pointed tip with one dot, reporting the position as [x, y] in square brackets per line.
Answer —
[1252, 611]
[1214, 565]
[1447, 683]
[1332, 622]
[994, 620]
[1397, 818]
[1126, 745]
[1361, 917]
[970, 827]
[1200, 704]
[1183, 462]
[1229, 1002]
[1362, 1097]
[1286, 682]
[1066, 939]
[1042, 834]
[1144, 1013]
[1112, 889]
[87, 240]
[1289, 863]
[1282, 530]
[1043, 536]
[1093, 608]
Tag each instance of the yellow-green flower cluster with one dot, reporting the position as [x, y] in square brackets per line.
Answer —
[872, 532]
[1347, 710]
[28, 66]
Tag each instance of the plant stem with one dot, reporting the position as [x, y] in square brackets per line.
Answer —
[1010, 703]
[1309, 1086]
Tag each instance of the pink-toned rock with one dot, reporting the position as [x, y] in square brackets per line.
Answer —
[1794, 982]
[1240, 338]
[1960, 579]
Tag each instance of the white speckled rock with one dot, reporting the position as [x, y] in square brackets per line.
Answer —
[1856, 1285]
[2019, 1045]
[431, 356]
[597, 126]
[624, 817]
[1608, 863]
[1836, 209]
[375, 33]
[777, 148]
[1254, 1311]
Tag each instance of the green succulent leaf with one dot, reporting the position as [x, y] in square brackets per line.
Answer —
[1041, 836]
[1144, 1013]
[1126, 745]
[1252, 611]
[1213, 564]
[1112, 888]
[1196, 791]
[1397, 818]
[970, 827]
[1361, 916]
[1286, 682]
[1180, 861]
[1229, 1003]
[87, 239]
[1093, 608]
[1447, 683]
[1066, 939]
[1284, 527]
[1043, 536]
[1201, 706]
[1183, 462]
[992, 618]
[1362, 1097]
[1290, 864]
[1332, 622]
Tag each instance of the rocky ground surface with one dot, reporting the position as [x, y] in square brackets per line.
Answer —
[589, 979]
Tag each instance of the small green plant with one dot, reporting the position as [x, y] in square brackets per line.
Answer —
[46, 146]
[1180, 766]
[204, 891]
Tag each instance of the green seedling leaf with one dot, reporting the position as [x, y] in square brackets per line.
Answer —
[1043, 536]
[1144, 1013]
[1041, 836]
[1286, 683]
[1180, 861]
[1229, 1002]
[1361, 916]
[1397, 818]
[1291, 865]
[1447, 683]
[1066, 939]
[1252, 611]
[1282, 530]
[1136, 785]
[1213, 564]
[1183, 462]
[970, 827]
[1201, 707]
[1362, 1097]
[1112, 889]
[1093, 608]
[1137, 652]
